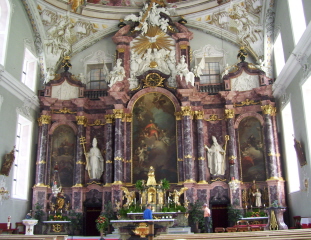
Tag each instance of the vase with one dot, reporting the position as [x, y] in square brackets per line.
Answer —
[102, 234]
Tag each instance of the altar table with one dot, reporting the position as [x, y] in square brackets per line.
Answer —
[56, 227]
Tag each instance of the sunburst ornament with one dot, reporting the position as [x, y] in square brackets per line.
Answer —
[154, 38]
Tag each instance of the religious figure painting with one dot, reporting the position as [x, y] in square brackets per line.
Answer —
[63, 149]
[252, 160]
[7, 163]
[154, 137]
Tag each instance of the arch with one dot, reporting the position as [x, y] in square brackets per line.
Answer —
[248, 114]
[62, 122]
[5, 16]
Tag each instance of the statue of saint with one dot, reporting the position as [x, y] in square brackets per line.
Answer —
[216, 158]
[94, 161]
[117, 74]
[257, 195]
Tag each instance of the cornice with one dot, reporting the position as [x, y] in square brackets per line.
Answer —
[18, 89]
[293, 64]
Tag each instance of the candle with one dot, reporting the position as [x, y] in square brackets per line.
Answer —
[232, 178]
[49, 212]
[61, 211]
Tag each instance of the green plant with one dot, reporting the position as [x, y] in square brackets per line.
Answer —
[196, 212]
[76, 219]
[165, 184]
[255, 214]
[234, 214]
[139, 185]
[39, 213]
[102, 222]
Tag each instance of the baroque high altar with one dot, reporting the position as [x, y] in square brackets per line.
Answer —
[154, 113]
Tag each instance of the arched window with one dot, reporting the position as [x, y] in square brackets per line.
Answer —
[5, 12]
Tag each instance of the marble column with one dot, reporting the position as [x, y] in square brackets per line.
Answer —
[268, 111]
[180, 160]
[80, 157]
[128, 147]
[187, 116]
[200, 148]
[44, 122]
[118, 147]
[232, 145]
[108, 149]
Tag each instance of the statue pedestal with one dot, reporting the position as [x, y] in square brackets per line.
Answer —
[29, 223]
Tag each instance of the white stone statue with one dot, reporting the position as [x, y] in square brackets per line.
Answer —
[182, 70]
[117, 74]
[94, 161]
[216, 158]
[257, 196]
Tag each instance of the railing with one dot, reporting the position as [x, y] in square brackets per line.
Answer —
[212, 88]
[95, 94]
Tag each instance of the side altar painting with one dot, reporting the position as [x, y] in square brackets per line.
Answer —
[251, 150]
[154, 137]
[63, 148]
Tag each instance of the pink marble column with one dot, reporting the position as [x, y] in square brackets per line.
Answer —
[108, 149]
[200, 148]
[232, 145]
[180, 160]
[187, 116]
[44, 122]
[118, 146]
[79, 179]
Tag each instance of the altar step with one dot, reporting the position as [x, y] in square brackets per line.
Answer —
[179, 230]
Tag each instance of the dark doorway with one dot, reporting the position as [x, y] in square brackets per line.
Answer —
[219, 216]
[91, 214]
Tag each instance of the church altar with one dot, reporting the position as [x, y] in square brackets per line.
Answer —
[142, 228]
[56, 227]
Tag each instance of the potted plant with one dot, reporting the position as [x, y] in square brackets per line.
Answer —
[102, 223]
[195, 215]
[76, 221]
[234, 214]
[39, 214]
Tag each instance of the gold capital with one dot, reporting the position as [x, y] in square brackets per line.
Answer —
[80, 162]
[81, 120]
[186, 111]
[109, 118]
[178, 116]
[229, 113]
[44, 119]
[180, 160]
[108, 161]
[268, 110]
[118, 158]
[128, 117]
[199, 114]
[201, 158]
[183, 46]
[118, 113]
[188, 156]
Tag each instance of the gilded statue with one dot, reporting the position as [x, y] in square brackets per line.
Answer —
[129, 195]
[60, 201]
[176, 195]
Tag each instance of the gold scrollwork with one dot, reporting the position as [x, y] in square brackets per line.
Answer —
[270, 154]
[153, 80]
[118, 159]
[121, 50]
[178, 115]
[247, 102]
[129, 117]
[142, 230]
[44, 119]
[118, 113]
[268, 110]
[180, 159]
[81, 120]
[188, 156]
[108, 161]
[219, 179]
[63, 110]
[80, 162]
[183, 46]
[229, 113]
[273, 222]
[201, 158]
[78, 185]
[186, 111]
[128, 161]
[56, 228]
[41, 162]
[109, 118]
[232, 157]
[199, 114]
[97, 122]
[213, 117]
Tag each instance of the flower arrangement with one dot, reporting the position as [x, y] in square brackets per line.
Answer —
[256, 214]
[102, 223]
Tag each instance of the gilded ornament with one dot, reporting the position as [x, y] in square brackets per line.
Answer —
[41, 162]
[118, 113]
[270, 154]
[229, 113]
[121, 50]
[81, 120]
[188, 156]
[109, 118]
[117, 183]
[80, 162]
[247, 102]
[108, 161]
[190, 181]
[201, 158]
[129, 117]
[142, 230]
[199, 114]
[273, 222]
[180, 159]
[178, 115]
[63, 110]
[186, 111]
[118, 159]
[56, 228]
[78, 185]
[153, 80]
[213, 117]
[44, 119]
[97, 122]
[183, 46]
[268, 109]
[202, 182]
[219, 179]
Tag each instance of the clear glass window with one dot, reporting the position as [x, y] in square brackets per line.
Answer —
[29, 69]
[279, 54]
[297, 18]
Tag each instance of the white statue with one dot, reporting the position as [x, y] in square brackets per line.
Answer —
[257, 195]
[216, 158]
[117, 74]
[182, 70]
[94, 161]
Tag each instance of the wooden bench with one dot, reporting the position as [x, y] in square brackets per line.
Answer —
[4, 228]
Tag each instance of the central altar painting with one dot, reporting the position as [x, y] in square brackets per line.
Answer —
[154, 137]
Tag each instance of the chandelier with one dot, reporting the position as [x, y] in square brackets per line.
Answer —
[56, 186]
[4, 192]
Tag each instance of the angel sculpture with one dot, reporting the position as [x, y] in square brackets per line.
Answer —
[177, 194]
[130, 196]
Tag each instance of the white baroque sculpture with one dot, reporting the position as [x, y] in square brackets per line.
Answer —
[117, 74]
[216, 158]
[95, 161]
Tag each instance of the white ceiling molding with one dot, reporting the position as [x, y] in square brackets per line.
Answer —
[293, 63]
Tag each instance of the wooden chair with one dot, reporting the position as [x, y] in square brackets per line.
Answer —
[231, 229]
[255, 228]
[219, 230]
[20, 228]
